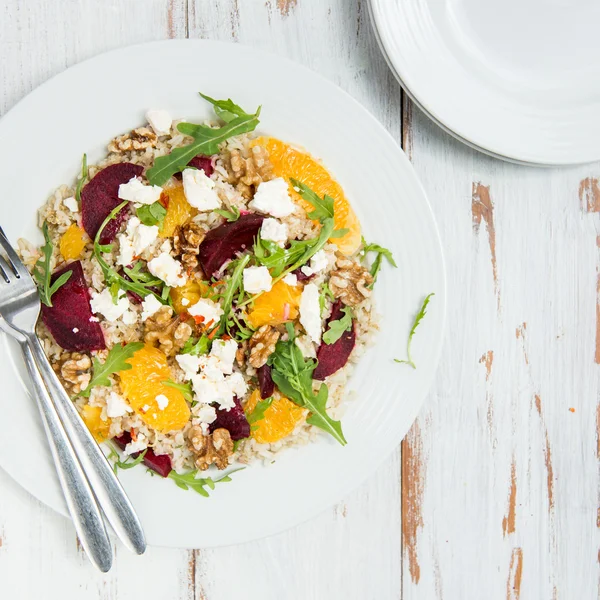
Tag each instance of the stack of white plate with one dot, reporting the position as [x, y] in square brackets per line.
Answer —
[517, 79]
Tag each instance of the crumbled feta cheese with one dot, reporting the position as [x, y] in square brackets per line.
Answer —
[307, 271]
[135, 191]
[162, 401]
[310, 312]
[319, 261]
[138, 446]
[200, 190]
[126, 252]
[209, 392]
[160, 121]
[166, 246]
[237, 385]
[207, 309]
[150, 305]
[189, 364]
[291, 279]
[103, 303]
[140, 235]
[75, 330]
[273, 198]
[224, 351]
[257, 279]
[306, 346]
[185, 302]
[206, 413]
[71, 204]
[116, 406]
[211, 368]
[165, 267]
[274, 231]
[130, 317]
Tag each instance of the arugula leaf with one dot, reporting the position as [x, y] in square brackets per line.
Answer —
[82, 179]
[292, 374]
[258, 414]
[206, 141]
[323, 207]
[338, 233]
[231, 215]
[418, 319]
[234, 282]
[184, 388]
[42, 271]
[337, 328]
[151, 214]
[115, 362]
[243, 331]
[381, 252]
[189, 481]
[227, 110]
[197, 347]
[128, 463]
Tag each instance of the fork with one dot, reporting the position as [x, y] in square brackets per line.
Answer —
[73, 448]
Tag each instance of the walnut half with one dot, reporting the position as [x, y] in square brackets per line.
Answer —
[350, 281]
[167, 331]
[186, 243]
[138, 139]
[74, 370]
[247, 173]
[262, 345]
[213, 449]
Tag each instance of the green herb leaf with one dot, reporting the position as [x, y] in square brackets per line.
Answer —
[206, 141]
[337, 328]
[128, 463]
[323, 206]
[115, 362]
[418, 319]
[227, 110]
[196, 347]
[338, 233]
[381, 252]
[42, 272]
[292, 374]
[184, 388]
[258, 414]
[231, 215]
[233, 283]
[189, 481]
[151, 214]
[82, 179]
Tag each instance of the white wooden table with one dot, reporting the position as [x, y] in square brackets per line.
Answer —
[495, 491]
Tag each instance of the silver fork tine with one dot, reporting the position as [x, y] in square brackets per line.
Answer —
[18, 267]
[5, 269]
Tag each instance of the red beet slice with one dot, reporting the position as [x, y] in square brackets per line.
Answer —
[234, 420]
[159, 463]
[266, 385]
[200, 162]
[101, 195]
[224, 242]
[71, 310]
[332, 357]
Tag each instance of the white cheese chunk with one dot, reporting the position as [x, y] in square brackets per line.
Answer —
[224, 351]
[273, 198]
[135, 191]
[150, 306]
[209, 392]
[291, 279]
[211, 368]
[116, 406]
[103, 303]
[165, 267]
[237, 384]
[160, 121]
[162, 401]
[207, 309]
[206, 413]
[138, 446]
[274, 231]
[310, 312]
[257, 279]
[319, 261]
[71, 204]
[189, 364]
[130, 317]
[200, 190]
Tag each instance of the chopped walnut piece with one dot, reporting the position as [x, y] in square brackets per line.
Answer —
[262, 345]
[138, 139]
[73, 369]
[169, 332]
[212, 449]
[186, 243]
[247, 173]
[240, 354]
[350, 281]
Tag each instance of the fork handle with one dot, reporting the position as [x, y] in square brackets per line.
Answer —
[76, 489]
[108, 490]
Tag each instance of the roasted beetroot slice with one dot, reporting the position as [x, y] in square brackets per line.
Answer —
[101, 195]
[234, 420]
[332, 357]
[70, 311]
[159, 463]
[266, 385]
[200, 162]
[224, 242]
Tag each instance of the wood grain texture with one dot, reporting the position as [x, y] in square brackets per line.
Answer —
[495, 493]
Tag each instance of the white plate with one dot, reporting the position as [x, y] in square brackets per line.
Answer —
[519, 79]
[79, 111]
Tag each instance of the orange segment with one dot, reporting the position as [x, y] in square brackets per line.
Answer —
[290, 162]
[93, 420]
[144, 381]
[179, 210]
[277, 306]
[72, 242]
[192, 291]
[280, 419]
